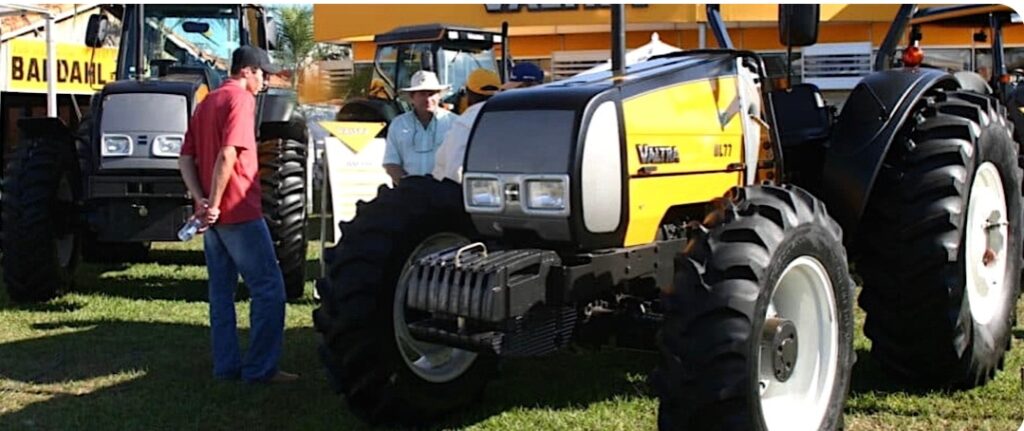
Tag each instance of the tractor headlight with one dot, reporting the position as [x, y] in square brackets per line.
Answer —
[116, 146]
[545, 194]
[168, 145]
[483, 192]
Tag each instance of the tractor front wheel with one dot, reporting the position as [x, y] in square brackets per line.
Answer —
[759, 324]
[41, 244]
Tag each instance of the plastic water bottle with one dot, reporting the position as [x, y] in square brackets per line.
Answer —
[189, 230]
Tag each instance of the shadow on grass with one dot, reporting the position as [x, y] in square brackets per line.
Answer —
[869, 377]
[55, 306]
[1018, 333]
[568, 380]
[95, 279]
[131, 375]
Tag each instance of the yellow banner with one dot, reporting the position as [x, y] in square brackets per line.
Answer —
[355, 135]
[80, 69]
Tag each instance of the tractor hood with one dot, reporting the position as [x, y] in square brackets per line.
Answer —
[147, 114]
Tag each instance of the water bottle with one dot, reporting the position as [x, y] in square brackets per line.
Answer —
[190, 229]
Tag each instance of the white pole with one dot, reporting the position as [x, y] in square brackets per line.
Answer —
[702, 36]
[51, 69]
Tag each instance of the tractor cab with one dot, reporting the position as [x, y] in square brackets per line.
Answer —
[184, 43]
[449, 51]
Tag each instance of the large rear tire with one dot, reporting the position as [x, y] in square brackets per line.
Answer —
[759, 324]
[41, 245]
[941, 244]
[283, 182]
[387, 376]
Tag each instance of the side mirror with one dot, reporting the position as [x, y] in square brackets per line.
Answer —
[195, 27]
[270, 28]
[96, 31]
[798, 24]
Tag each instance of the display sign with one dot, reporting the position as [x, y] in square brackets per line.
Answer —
[80, 69]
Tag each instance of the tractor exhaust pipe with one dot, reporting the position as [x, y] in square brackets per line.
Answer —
[140, 40]
[619, 39]
[505, 53]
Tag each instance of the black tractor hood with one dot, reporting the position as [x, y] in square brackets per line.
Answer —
[184, 85]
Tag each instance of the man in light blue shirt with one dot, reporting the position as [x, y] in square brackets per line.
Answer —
[413, 137]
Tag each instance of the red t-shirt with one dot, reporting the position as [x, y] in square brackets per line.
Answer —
[227, 117]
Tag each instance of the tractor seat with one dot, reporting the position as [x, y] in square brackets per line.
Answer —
[801, 115]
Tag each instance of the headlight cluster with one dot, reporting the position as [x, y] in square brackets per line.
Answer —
[545, 194]
[123, 145]
[484, 192]
[116, 146]
[540, 194]
[168, 145]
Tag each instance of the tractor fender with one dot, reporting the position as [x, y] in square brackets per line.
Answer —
[972, 81]
[368, 109]
[52, 129]
[871, 117]
[277, 106]
[279, 118]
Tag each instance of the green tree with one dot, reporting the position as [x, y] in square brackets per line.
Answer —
[295, 43]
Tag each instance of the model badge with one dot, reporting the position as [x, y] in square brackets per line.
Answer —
[650, 154]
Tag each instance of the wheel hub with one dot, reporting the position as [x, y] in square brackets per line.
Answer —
[780, 338]
[986, 250]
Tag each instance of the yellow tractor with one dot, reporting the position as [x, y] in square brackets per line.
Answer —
[650, 206]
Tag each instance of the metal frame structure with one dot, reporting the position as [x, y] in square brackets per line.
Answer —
[51, 49]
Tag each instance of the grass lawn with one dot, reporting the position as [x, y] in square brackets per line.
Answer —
[128, 349]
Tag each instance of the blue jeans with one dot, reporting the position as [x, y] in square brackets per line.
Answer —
[244, 248]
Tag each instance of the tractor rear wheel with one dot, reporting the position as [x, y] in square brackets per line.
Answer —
[758, 331]
[41, 245]
[941, 244]
[385, 374]
[283, 183]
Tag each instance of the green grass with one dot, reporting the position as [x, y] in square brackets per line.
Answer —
[129, 350]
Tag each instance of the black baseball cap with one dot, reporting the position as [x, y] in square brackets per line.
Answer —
[251, 56]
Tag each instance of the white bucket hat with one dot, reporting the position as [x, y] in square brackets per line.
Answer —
[425, 81]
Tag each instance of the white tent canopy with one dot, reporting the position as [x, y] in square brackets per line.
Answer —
[638, 55]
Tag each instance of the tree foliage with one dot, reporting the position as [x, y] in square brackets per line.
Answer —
[295, 43]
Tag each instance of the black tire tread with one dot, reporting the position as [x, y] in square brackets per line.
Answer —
[359, 349]
[702, 381]
[283, 184]
[910, 242]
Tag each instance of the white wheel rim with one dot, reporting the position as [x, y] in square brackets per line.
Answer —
[65, 243]
[434, 363]
[803, 295]
[986, 238]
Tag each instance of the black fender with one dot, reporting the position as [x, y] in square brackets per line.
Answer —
[973, 82]
[873, 114]
[279, 118]
[368, 109]
[276, 106]
[52, 129]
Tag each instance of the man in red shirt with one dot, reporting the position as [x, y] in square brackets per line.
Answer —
[220, 167]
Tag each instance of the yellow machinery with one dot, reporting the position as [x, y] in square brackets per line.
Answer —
[591, 210]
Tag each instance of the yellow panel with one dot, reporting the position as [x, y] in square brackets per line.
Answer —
[201, 93]
[650, 198]
[696, 122]
[345, 21]
[688, 117]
